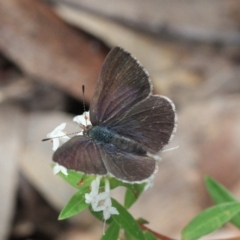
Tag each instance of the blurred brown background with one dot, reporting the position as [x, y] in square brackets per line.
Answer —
[48, 49]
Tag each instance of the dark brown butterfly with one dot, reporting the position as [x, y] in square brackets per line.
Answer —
[129, 124]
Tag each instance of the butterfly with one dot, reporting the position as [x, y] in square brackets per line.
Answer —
[130, 125]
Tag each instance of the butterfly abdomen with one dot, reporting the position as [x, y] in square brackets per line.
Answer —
[104, 136]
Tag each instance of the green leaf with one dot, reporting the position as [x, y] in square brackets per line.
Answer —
[210, 220]
[76, 179]
[75, 205]
[149, 236]
[220, 194]
[117, 183]
[142, 221]
[79, 180]
[97, 215]
[125, 220]
[128, 236]
[132, 194]
[112, 232]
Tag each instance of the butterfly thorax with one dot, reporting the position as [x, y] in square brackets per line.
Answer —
[103, 135]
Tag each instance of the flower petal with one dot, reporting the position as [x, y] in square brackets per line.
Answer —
[56, 169]
[113, 211]
[108, 202]
[107, 185]
[102, 196]
[99, 208]
[58, 136]
[94, 204]
[88, 198]
[106, 214]
[55, 144]
[63, 170]
[83, 119]
[149, 183]
[60, 127]
[79, 119]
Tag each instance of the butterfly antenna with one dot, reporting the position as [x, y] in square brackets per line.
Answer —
[84, 105]
[47, 139]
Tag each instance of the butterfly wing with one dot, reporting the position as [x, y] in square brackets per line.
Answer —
[81, 154]
[84, 155]
[122, 83]
[122, 103]
[126, 166]
[150, 123]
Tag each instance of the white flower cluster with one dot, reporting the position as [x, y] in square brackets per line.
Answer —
[99, 201]
[59, 137]
[58, 168]
[83, 119]
[95, 198]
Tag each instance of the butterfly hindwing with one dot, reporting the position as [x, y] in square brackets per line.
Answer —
[150, 123]
[127, 166]
[81, 154]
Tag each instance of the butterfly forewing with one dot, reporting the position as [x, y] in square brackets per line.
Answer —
[122, 83]
[122, 102]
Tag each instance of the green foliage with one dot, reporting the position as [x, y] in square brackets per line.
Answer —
[99, 215]
[132, 194]
[149, 236]
[77, 179]
[220, 194]
[126, 221]
[75, 205]
[112, 232]
[209, 220]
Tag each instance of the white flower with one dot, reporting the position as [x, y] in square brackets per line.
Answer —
[107, 209]
[83, 119]
[58, 136]
[107, 186]
[94, 197]
[58, 168]
[149, 183]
